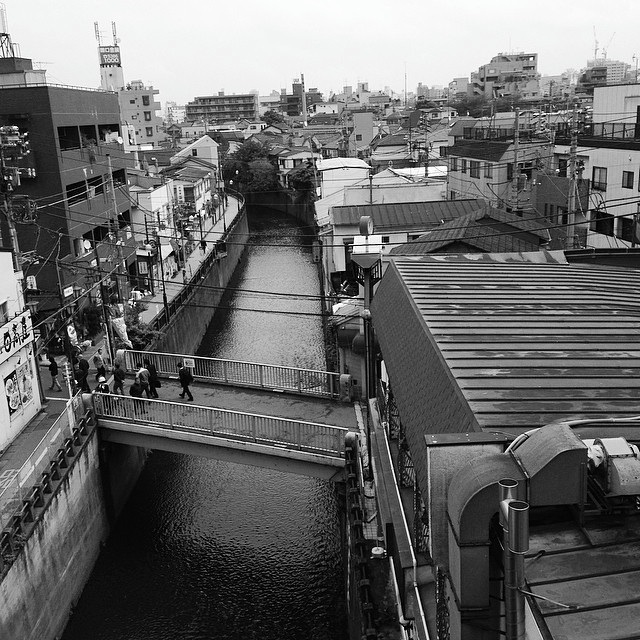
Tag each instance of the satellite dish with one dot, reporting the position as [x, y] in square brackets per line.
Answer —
[119, 139]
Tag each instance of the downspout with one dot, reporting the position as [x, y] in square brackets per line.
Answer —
[514, 518]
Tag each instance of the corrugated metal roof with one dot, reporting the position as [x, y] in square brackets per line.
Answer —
[523, 344]
[405, 215]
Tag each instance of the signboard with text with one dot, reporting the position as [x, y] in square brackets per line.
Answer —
[15, 334]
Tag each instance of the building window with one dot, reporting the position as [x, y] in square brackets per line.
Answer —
[194, 152]
[599, 179]
[626, 229]
[463, 167]
[488, 170]
[452, 195]
[454, 164]
[147, 116]
[358, 137]
[602, 222]
[149, 132]
[4, 312]
[627, 179]
[562, 167]
[474, 168]
[132, 101]
[146, 101]
[443, 152]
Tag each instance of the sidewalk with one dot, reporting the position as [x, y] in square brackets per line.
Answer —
[211, 232]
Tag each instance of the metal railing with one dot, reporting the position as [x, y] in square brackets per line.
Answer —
[311, 437]
[310, 382]
[16, 490]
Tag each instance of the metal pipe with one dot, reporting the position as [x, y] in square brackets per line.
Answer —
[514, 518]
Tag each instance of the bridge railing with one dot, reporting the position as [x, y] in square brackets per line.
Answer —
[311, 437]
[311, 382]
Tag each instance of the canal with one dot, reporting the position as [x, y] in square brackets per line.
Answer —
[212, 550]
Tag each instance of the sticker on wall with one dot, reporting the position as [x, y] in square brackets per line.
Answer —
[12, 391]
[25, 382]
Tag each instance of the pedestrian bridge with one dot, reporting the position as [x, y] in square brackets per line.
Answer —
[244, 412]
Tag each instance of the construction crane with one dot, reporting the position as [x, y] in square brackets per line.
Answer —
[605, 49]
[595, 49]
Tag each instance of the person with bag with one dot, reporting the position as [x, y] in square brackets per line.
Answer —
[186, 378]
[154, 382]
[142, 376]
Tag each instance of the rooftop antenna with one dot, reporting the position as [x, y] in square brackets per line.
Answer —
[7, 48]
[98, 36]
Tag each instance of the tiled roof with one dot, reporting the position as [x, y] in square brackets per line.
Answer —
[480, 149]
[405, 215]
[483, 230]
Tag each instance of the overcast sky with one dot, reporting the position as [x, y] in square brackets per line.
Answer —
[202, 47]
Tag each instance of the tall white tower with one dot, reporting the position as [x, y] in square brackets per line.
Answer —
[111, 74]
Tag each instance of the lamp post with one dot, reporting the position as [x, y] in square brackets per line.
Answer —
[164, 286]
[366, 256]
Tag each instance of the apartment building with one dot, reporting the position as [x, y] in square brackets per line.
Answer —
[508, 74]
[222, 108]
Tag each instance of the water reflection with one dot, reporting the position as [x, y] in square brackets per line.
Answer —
[210, 549]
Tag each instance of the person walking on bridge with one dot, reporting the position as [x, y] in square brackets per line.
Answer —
[142, 376]
[186, 378]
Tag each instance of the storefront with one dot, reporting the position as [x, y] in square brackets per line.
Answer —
[19, 375]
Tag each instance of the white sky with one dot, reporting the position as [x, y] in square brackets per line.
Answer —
[201, 47]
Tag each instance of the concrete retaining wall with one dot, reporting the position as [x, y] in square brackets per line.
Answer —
[199, 309]
[49, 573]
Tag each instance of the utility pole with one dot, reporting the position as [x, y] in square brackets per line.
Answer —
[114, 204]
[571, 200]
[164, 286]
[515, 178]
[9, 139]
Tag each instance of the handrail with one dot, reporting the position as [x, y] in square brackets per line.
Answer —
[16, 490]
[310, 437]
[309, 382]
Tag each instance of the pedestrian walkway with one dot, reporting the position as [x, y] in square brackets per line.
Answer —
[212, 231]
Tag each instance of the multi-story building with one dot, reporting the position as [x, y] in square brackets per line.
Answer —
[222, 108]
[76, 175]
[141, 125]
[608, 154]
[616, 70]
[18, 367]
[508, 74]
[174, 113]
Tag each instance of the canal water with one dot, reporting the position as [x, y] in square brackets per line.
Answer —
[213, 550]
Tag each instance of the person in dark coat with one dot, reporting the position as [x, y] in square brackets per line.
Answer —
[186, 378]
[53, 370]
[154, 382]
[119, 376]
[81, 379]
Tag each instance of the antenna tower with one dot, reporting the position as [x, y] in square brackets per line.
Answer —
[7, 48]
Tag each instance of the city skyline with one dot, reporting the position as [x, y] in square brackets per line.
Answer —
[265, 47]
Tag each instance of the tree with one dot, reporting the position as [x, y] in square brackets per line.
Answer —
[140, 333]
[250, 169]
[302, 179]
[272, 117]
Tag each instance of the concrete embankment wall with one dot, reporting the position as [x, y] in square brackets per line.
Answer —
[184, 333]
[48, 575]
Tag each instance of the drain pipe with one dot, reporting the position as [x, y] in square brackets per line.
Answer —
[514, 518]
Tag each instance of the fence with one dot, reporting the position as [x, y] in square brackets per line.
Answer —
[311, 437]
[308, 382]
[18, 489]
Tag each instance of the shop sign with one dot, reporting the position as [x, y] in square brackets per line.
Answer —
[15, 334]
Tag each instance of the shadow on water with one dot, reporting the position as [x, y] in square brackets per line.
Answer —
[207, 549]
